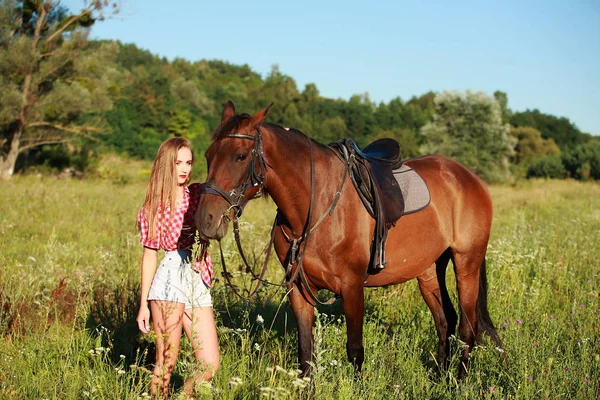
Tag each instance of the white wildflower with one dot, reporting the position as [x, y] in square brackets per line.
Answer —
[260, 320]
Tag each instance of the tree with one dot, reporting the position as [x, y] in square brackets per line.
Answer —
[564, 132]
[468, 127]
[583, 161]
[548, 166]
[502, 99]
[49, 77]
[530, 145]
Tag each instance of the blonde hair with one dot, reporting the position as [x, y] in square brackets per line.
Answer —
[162, 186]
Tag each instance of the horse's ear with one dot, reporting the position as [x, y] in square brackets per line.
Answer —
[228, 112]
[259, 116]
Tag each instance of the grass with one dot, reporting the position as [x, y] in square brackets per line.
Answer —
[69, 267]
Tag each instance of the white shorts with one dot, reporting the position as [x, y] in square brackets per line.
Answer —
[176, 281]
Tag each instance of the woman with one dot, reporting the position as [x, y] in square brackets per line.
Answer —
[178, 293]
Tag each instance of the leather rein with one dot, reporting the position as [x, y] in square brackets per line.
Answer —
[236, 197]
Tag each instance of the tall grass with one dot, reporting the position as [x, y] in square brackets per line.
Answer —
[69, 266]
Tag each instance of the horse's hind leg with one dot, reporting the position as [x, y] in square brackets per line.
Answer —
[467, 270]
[432, 284]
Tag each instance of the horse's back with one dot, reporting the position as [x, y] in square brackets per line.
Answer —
[441, 172]
[458, 217]
[458, 195]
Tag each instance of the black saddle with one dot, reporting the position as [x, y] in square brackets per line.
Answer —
[371, 171]
[385, 151]
[383, 157]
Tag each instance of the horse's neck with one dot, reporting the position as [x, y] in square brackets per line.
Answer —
[289, 182]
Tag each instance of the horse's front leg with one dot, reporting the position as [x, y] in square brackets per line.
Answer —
[305, 315]
[353, 297]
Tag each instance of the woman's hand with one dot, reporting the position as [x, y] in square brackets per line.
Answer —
[143, 319]
[149, 259]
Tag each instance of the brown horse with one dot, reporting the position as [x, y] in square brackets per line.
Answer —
[248, 156]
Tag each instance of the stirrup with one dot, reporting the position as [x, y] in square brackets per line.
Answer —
[379, 267]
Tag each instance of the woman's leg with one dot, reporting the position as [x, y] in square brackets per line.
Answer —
[199, 326]
[167, 319]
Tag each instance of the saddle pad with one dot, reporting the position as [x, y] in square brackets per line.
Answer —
[414, 189]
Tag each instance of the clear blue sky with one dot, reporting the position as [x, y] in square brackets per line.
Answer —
[543, 54]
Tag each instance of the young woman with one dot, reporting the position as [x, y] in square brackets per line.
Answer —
[178, 293]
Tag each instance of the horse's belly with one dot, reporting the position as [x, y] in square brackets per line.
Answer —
[397, 272]
[411, 248]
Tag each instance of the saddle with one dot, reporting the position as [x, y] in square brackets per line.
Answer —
[384, 157]
[371, 170]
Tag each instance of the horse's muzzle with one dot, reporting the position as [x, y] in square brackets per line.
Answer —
[211, 227]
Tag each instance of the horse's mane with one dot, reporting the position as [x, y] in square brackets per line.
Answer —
[289, 130]
[233, 124]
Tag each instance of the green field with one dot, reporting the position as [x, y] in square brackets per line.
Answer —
[69, 267]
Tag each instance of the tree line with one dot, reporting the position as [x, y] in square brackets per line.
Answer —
[66, 100]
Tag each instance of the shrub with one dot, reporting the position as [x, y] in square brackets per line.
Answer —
[583, 161]
[547, 167]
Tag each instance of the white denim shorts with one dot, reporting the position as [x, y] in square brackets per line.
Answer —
[175, 280]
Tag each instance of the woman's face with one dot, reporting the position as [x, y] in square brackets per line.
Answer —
[183, 165]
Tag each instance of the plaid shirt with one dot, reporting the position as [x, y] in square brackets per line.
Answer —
[178, 232]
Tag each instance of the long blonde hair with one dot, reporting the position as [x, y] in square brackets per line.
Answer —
[162, 186]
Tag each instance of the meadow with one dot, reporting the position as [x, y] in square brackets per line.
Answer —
[69, 270]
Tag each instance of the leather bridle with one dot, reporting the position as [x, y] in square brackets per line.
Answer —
[255, 176]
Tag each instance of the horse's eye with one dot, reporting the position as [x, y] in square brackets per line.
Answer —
[240, 157]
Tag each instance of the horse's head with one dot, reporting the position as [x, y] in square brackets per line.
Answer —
[236, 171]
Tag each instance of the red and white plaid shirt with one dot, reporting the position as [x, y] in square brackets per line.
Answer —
[178, 232]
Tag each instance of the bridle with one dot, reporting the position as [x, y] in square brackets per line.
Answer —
[255, 176]
[258, 161]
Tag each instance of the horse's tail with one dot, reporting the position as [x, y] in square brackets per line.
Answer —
[484, 320]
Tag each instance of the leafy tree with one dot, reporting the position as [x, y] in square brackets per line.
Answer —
[179, 123]
[358, 114]
[583, 161]
[502, 99]
[282, 90]
[468, 127]
[48, 78]
[530, 145]
[334, 128]
[186, 92]
[565, 134]
[549, 166]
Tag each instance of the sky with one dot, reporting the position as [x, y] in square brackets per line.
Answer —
[544, 54]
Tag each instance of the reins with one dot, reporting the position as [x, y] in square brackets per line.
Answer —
[258, 277]
[235, 199]
[234, 212]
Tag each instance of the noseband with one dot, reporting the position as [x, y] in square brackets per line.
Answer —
[255, 176]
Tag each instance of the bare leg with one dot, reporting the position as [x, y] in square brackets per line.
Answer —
[199, 326]
[167, 322]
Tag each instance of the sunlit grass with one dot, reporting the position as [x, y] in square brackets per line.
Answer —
[69, 266]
